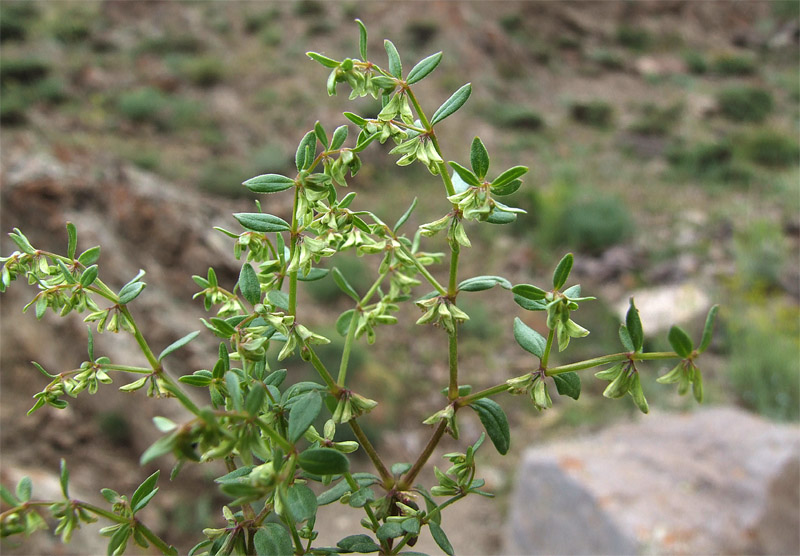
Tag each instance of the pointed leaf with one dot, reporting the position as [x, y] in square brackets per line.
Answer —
[343, 322]
[441, 539]
[452, 104]
[24, 489]
[363, 544]
[625, 338]
[273, 540]
[708, 329]
[88, 276]
[324, 60]
[568, 384]
[322, 137]
[479, 283]
[259, 222]
[130, 291]
[178, 344]
[90, 256]
[508, 176]
[529, 291]
[479, 158]
[465, 174]
[268, 183]
[680, 341]
[494, 420]
[402, 220]
[507, 188]
[395, 66]
[234, 390]
[634, 326]
[423, 68]
[64, 478]
[249, 285]
[362, 40]
[530, 340]
[304, 411]
[72, 240]
[313, 274]
[339, 137]
[307, 145]
[144, 492]
[343, 284]
[562, 271]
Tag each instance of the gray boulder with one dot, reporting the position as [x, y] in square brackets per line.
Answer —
[717, 481]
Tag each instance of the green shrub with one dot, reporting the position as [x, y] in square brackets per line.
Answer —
[712, 161]
[23, 71]
[595, 113]
[204, 71]
[635, 38]
[766, 380]
[145, 104]
[255, 22]
[695, 62]
[772, 149]
[743, 103]
[224, 177]
[515, 116]
[16, 18]
[171, 43]
[608, 59]
[730, 63]
[656, 120]
[13, 107]
[421, 31]
[73, 25]
[761, 252]
[309, 8]
[593, 224]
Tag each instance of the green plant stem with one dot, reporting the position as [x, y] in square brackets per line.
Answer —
[438, 509]
[452, 359]
[348, 343]
[152, 537]
[274, 436]
[424, 271]
[548, 348]
[615, 358]
[292, 247]
[377, 462]
[170, 384]
[354, 487]
[125, 368]
[498, 389]
[298, 542]
[323, 371]
[409, 477]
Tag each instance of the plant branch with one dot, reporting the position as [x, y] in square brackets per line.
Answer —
[409, 477]
[377, 462]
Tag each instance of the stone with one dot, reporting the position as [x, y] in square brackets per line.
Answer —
[714, 481]
[662, 306]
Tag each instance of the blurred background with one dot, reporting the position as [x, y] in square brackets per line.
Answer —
[662, 139]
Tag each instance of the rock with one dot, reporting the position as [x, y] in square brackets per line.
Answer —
[710, 482]
[662, 306]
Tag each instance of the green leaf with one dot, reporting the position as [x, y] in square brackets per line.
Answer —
[313, 274]
[441, 539]
[268, 183]
[65, 272]
[22, 242]
[395, 66]
[304, 411]
[259, 222]
[160, 447]
[403, 219]
[72, 240]
[178, 344]
[302, 502]
[494, 420]
[7, 497]
[234, 390]
[279, 299]
[343, 284]
[362, 40]
[144, 492]
[568, 384]
[196, 380]
[680, 341]
[255, 399]
[423, 68]
[24, 489]
[119, 540]
[273, 540]
[389, 530]
[529, 292]
[480, 283]
[305, 151]
[333, 494]
[324, 60]
[130, 291]
[508, 176]
[361, 497]
[452, 104]
[634, 326]
[479, 158]
[506, 189]
[355, 118]
[625, 338]
[249, 285]
[323, 461]
[339, 137]
[708, 329]
[530, 340]
[465, 174]
[88, 276]
[89, 256]
[562, 271]
[363, 544]
[343, 322]
[322, 137]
